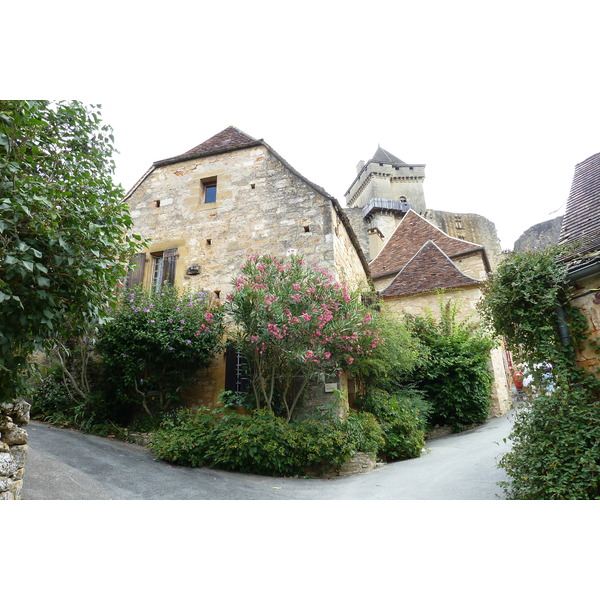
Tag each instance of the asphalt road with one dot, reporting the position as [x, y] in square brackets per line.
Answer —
[69, 465]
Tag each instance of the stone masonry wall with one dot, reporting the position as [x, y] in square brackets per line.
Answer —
[589, 304]
[13, 447]
[261, 208]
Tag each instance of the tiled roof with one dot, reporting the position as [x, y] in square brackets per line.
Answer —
[428, 270]
[410, 235]
[581, 223]
[229, 139]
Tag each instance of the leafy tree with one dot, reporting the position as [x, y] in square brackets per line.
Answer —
[63, 228]
[295, 323]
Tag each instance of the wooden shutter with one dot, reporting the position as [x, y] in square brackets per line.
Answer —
[170, 265]
[135, 274]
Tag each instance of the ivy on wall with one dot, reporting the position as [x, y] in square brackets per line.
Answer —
[555, 443]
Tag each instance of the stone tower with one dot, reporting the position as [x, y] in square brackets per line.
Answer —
[384, 189]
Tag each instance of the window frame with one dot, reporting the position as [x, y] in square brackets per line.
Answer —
[209, 184]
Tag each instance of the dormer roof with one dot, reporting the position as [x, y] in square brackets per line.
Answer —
[428, 270]
[410, 236]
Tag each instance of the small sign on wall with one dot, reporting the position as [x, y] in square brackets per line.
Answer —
[331, 387]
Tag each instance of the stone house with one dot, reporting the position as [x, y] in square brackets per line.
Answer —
[232, 196]
[416, 253]
[581, 228]
[419, 262]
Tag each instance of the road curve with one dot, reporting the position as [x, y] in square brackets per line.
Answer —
[69, 465]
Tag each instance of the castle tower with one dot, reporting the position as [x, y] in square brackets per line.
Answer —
[384, 189]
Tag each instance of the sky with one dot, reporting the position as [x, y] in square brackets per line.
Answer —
[498, 99]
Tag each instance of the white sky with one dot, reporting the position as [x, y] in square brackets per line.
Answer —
[499, 99]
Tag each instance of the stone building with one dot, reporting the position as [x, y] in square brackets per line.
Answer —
[581, 228]
[208, 209]
[383, 191]
[232, 196]
[419, 262]
[415, 253]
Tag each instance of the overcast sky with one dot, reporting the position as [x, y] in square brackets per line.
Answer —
[499, 99]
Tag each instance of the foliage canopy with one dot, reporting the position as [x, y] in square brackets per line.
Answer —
[63, 227]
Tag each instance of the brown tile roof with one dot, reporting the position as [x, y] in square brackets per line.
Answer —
[581, 223]
[409, 237]
[428, 270]
[229, 139]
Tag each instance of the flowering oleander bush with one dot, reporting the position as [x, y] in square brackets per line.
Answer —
[157, 341]
[295, 322]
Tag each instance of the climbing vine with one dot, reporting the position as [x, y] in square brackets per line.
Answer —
[555, 448]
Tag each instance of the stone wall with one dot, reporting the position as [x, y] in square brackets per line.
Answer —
[262, 207]
[13, 447]
[587, 299]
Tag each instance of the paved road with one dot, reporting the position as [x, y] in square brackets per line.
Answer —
[68, 465]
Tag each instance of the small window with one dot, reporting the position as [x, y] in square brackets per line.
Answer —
[209, 189]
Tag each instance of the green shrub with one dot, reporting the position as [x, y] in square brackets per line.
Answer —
[185, 438]
[556, 451]
[263, 443]
[255, 443]
[556, 448]
[456, 378]
[364, 432]
[50, 400]
[319, 445]
[402, 418]
[157, 341]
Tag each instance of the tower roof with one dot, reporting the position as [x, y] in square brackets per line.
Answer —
[428, 270]
[383, 156]
[410, 235]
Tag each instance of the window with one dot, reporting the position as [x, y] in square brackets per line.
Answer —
[164, 265]
[209, 190]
